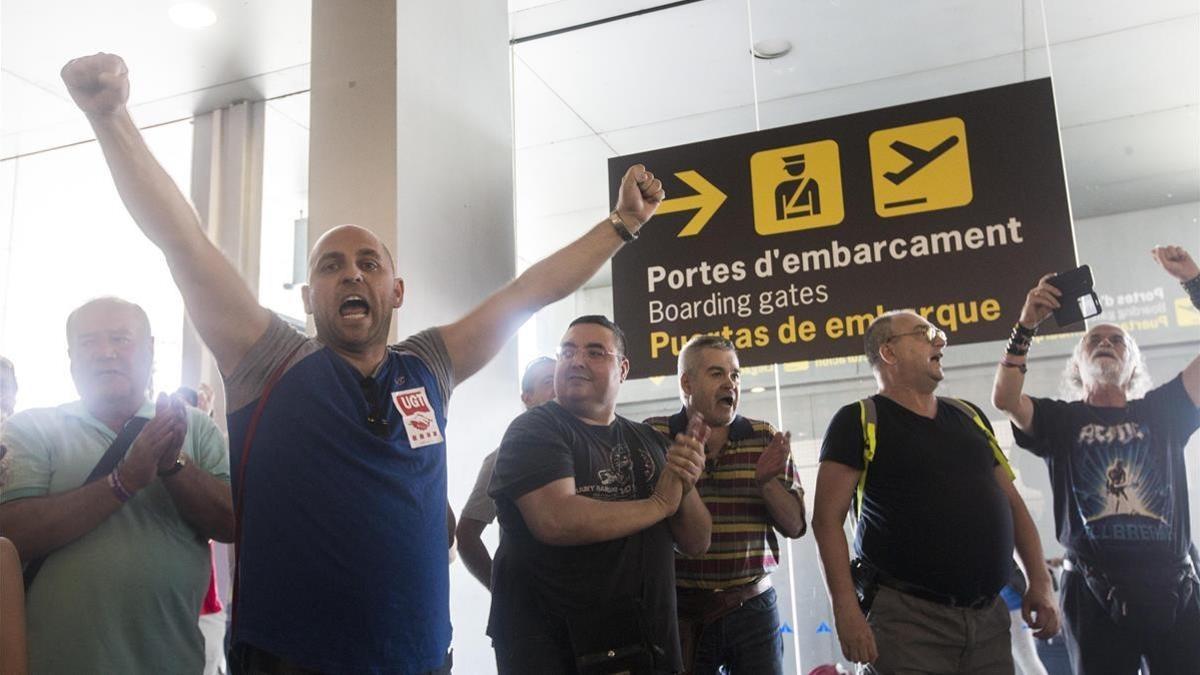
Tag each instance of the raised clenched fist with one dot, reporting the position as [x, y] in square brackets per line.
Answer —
[99, 83]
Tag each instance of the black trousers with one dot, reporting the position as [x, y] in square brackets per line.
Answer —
[1100, 647]
[540, 655]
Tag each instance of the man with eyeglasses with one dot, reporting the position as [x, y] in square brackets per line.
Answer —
[937, 517]
[1115, 452]
[593, 506]
[537, 387]
[728, 620]
[338, 445]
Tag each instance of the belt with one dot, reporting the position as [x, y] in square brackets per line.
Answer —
[1073, 563]
[709, 604]
[978, 602]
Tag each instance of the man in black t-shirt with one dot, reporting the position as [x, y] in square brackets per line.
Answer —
[938, 516]
[1120, 488]
[592, 506]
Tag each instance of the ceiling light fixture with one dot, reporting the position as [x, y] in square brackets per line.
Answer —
[757, 390]
[192, 15]
[771, 49]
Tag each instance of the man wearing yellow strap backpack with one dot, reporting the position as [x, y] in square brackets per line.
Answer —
[937, 519]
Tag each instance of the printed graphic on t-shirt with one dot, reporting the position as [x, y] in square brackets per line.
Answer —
[626, 470]
[647, 464]
[1123, 491]
[619, 476]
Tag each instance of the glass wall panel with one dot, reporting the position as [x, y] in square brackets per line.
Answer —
[68, 239]
[284, 205]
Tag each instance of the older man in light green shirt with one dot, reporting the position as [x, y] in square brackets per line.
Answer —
[127, 560]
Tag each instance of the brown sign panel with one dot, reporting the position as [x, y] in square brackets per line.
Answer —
[790, 240]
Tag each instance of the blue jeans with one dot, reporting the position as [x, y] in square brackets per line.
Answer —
[746, 640]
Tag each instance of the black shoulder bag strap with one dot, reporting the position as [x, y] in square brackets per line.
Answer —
[107, 463]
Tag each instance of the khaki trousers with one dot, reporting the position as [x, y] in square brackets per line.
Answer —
[918, 636]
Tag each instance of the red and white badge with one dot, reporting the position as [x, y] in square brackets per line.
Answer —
[419, 421]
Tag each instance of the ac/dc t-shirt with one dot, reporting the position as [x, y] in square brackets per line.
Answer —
[1120, 484]
[538, 588]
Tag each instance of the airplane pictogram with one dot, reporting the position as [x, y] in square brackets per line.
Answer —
[918, 158]
[920, 167]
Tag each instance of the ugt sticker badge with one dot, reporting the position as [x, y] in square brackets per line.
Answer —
[419, 421]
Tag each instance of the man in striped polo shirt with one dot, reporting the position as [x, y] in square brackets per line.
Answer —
[727, 613]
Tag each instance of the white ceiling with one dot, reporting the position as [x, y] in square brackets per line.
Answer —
[1127, 78]
[257, 49]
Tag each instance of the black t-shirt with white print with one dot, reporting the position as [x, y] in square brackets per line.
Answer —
[1118, 474]
[537, 588]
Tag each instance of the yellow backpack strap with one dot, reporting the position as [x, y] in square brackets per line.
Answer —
[866, 415]
[971, 412]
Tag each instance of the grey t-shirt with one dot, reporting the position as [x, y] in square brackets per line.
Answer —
[479, 505]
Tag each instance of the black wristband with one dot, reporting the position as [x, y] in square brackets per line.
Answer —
[1192, 286]
[1015, 349]
[1021, 340]
[1021, 330]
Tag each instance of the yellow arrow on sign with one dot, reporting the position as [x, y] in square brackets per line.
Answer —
[706, 201]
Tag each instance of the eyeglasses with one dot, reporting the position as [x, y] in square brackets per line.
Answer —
[1096, 339]
[929, 331]
[591, 354]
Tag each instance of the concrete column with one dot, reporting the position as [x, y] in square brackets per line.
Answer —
[352, 123]
[227, 165]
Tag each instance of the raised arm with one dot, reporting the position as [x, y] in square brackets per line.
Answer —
[785, 506]
[473, 340]
[1010, 372]
[1176, 261]
[831, 503]
[691, 526]
[225, 313]
[204, 501]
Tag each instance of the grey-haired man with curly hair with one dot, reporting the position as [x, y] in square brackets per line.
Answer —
[1115, 454]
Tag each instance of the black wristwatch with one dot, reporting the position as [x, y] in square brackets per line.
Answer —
[180, 461]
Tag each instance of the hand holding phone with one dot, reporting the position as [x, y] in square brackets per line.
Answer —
[1078, 300]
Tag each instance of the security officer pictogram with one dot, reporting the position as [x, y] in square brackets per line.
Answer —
[798, 187]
